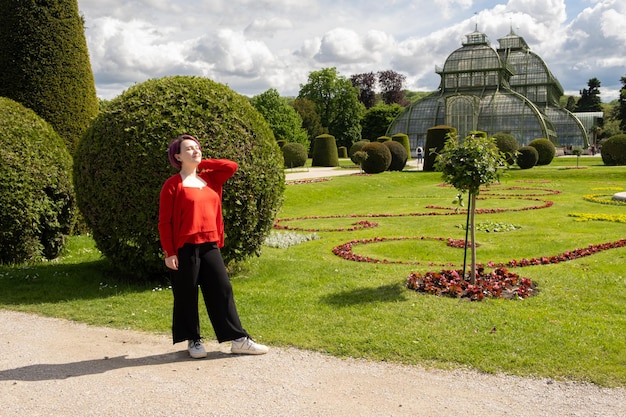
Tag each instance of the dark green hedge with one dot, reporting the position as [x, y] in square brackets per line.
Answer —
[294, 154]
[44, 64]
[356, 146]
[435, 140]
[403, 139]
[527, 157]
[378, 158]
[36, 192]
[398, 155]
[545, 149]
[325, 152]
[121, 164]
[614, 150]
[508, 145]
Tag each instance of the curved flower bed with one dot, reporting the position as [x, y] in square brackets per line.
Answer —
[603, 199]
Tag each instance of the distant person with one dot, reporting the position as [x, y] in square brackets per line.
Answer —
[191, 230]
[420, 155]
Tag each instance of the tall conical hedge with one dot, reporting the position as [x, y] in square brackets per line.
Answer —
[44, 64]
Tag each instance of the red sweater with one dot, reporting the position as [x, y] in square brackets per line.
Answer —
[194, 215]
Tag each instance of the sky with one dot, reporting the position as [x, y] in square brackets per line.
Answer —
[255, 45]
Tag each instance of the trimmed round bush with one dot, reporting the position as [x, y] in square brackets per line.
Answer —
[614, 150]
[36, 191]
[121, 164]
[546, 150]
[294, 154]
[403, 139]
[382, 139]
[325, 152]
[508, 145]
[435, 139]
[356, 146]
[378, 158]
[398, 155]
[527, 157]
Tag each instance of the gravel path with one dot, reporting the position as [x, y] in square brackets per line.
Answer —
[51, 367]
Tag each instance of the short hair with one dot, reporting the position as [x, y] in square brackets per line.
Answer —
[174, 149]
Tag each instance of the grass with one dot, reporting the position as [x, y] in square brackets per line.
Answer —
[305, 296]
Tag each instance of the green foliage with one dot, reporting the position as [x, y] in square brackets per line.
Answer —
[325, 152]
[283, 119]
[470, 164]
[383, 139]
[337, 103]
[545, 149]
[614, 150]
[121, 165]
[621, 110]
[527, 157]
[435, 141]
[44, 64]
[378, 158]
[508, 145]
[36, 192]
[403, 139]
[342, 152]
[377, 119]
[399, 155]
[356, 147]
[589, 98]
[311, 121]
[294, 154]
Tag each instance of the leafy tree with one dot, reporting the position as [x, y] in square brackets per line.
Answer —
[571, 103]
[365, 83]
[44, 64]
[283, 119]
[590, 97]
[337, 102]
[467, 166]
[377, 119]
[392, 87]
[311, 121]
[622, 105]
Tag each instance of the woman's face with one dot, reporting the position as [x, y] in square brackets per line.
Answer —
[190, 152]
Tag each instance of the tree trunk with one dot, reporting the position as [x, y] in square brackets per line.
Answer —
[473, 237]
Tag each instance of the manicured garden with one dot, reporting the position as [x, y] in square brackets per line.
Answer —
[341, 288]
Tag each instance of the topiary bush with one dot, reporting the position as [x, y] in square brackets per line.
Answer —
[614, 150]
[294, 154]
[527, 157]
[403, 139]
[382, 139]
[121, 165]
[36, 192]
[545, 149]
[342, 152]
[435, 140]
[325, 151]
[398, 155]
[378, 158]
[356, 147]
[508, 145]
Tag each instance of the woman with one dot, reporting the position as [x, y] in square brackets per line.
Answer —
[191, 230]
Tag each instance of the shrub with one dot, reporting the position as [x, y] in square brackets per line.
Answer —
[435, 140]
[356, 147]
[342, 152]
[403, 139]
[325, 152]
[121, 165]
[44, 64]
[527, 157]
[508, 145]
[294, 154]
[614, 150]
[382, 139]
[281, 143]
[378, 158]
[545, 149]
[398, 155]
[36, 192]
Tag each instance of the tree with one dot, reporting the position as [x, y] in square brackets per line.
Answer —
[571, 103]
[365, 83]
[377, 119]
[590, 97]
[622, 106]
[284, 120]
[311, 121]
[392, 87]
[467, 166]
[337, 103]
[44, 64]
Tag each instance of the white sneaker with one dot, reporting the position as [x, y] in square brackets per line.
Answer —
[196, 349]
[247, 346]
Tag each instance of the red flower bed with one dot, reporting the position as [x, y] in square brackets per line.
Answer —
[499, 283]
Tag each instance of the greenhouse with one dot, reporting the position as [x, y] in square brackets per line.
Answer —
[507, 90]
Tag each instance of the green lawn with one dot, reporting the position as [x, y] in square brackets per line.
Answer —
[305, 296]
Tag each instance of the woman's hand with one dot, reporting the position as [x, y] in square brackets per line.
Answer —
[172, 262]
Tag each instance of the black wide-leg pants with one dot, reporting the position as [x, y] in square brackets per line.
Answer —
[202, 265]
